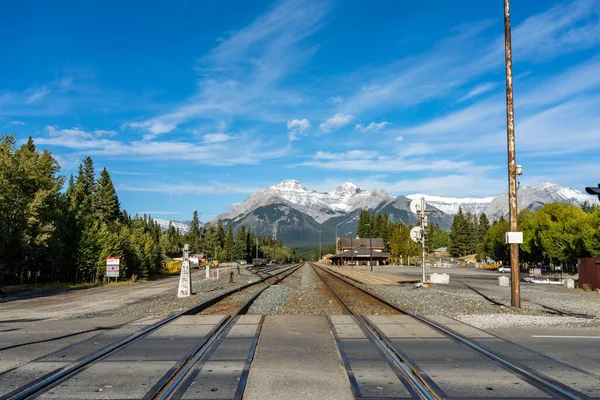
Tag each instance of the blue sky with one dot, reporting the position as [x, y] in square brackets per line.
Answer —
[193, 104]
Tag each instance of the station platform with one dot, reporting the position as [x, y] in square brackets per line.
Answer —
[369, 278]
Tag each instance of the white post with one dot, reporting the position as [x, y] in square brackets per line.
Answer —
[207, 269]
[217, 273]
[401, 260]
[185, 277]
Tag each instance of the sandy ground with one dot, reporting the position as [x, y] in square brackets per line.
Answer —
[71, 303]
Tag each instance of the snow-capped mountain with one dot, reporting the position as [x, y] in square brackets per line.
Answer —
[298, 214]
[450, 205]
[320, 206]
[534, 197]
[183, 226]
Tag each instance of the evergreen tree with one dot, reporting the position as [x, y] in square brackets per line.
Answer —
[220, 234]
[364, 220]
[459, 235]
[240, 244]
[229, 247]
[106, 200]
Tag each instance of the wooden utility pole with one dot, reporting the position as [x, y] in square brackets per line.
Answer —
[512, 166]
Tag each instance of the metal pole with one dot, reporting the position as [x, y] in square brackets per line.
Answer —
[512, 167]
[256, 247]
[424, 276]
[351, 251]
[371, 244]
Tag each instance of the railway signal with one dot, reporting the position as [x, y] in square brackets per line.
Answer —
[418, 234]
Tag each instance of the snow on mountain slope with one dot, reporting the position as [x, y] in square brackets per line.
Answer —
[450, 205]
[320, 206]
[348, 198]
[183, 226]
[534, 197]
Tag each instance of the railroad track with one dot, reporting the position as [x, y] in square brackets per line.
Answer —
[360, 337]
[182, 372]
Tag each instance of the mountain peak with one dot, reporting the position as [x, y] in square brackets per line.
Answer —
[290, 184]
[347, 188]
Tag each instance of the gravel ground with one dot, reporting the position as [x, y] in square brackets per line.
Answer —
[491, 321]
[302, 293]
[271, 300]
[168, 303]
[484, 308]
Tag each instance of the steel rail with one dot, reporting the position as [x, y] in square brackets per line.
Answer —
[554, 387]
[64, 373]
[416, 381]
[168, 389]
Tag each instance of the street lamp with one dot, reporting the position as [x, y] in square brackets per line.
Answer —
[370, 244]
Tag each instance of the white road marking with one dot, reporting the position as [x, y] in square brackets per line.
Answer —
[565, 337]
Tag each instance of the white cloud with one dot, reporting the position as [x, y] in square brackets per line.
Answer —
[188, 188]
[372, 127]
[159, 212]
[242, 75]
[461, 58]
[297, 128]
[479, 89]
[399, 138]
[335, 100]
[373, 161]
[16, 123]
[216, 137]
[339, 120]
[243, 151]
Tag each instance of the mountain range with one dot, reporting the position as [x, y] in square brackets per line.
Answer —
[298, 213]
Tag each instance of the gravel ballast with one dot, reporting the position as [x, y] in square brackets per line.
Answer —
[301, 293]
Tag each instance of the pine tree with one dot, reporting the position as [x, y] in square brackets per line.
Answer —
[229, 247]
[240, 244]
[220, 234]
[459, 235]
[106, 200]
[364, 220]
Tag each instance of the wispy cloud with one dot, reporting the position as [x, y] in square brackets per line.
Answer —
[339, 120]
[452, 63]
[478, 90]
[159, 212]
[335, 100]
[216, 138]
[373, 161]
[372, 127]
[187, 188]
[241, 76]
[17, 123]
[298, 128]
[241, 152]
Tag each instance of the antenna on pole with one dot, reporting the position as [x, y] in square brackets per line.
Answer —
[418, 234]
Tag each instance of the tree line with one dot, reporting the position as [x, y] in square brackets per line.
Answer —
[556, 234]
[224, 244]
[396, 235]
[48, 234]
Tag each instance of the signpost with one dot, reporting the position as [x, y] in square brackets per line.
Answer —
[112, 267]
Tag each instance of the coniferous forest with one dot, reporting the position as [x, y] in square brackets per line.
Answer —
[58, 230]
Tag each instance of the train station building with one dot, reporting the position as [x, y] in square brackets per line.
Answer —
[358, 251]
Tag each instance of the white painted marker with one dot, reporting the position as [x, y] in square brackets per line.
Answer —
[565, 337]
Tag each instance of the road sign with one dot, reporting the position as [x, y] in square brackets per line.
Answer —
[416, 234]
[415, 206]
[112, 267]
